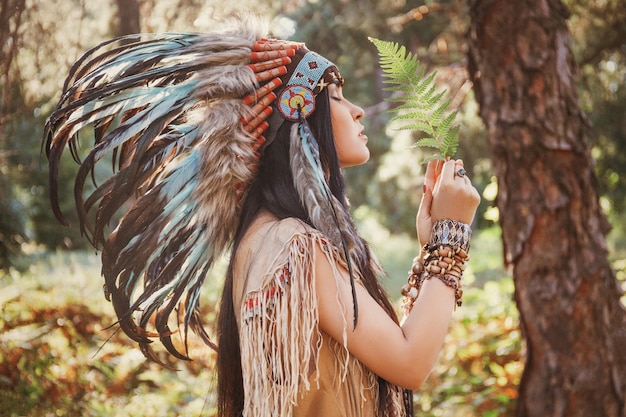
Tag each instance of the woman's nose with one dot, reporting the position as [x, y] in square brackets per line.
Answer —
[358, 112]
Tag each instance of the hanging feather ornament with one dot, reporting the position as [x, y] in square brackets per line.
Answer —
[325, 211]
[182, 117]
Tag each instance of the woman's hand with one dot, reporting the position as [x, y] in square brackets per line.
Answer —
[446, 196]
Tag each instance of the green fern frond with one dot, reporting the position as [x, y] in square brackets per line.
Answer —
[406, 79]
[421, 126]
[428, 142]
[445, 126]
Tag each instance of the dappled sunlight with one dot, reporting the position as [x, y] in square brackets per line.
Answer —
[60, 349]
[482, 360]
[61, 352]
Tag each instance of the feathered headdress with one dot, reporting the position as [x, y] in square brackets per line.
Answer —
[184, 118]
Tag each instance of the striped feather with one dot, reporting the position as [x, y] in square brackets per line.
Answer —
[325, 211]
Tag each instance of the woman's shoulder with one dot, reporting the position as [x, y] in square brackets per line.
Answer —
[265, 249]
[267, 228]
[269, 238]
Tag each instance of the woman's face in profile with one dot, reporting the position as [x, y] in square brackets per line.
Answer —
[350, 140]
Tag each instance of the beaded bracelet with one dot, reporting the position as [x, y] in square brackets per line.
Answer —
[452, 233]
[444, 258]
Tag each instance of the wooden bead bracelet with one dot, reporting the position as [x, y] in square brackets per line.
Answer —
[444, 261]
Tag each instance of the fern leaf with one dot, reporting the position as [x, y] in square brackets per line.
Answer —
[425, 85]
[428, 142]
[451, 141]
[422, 127]
[443, 129]
[439, 111]
[420, 102]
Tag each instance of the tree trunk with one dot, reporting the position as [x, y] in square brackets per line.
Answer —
[12, 232]
[128, 17]
[553, 228]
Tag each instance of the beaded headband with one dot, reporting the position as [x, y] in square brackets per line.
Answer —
[272, 61]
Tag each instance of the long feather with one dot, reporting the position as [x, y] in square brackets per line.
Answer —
[325, 211]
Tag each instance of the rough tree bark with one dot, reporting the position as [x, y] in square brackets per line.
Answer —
[553, 228]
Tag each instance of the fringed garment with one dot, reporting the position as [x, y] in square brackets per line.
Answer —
[290, 367]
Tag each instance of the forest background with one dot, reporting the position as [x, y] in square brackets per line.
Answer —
[54, 321]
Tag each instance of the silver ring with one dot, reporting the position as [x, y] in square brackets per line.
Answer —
[460, 173]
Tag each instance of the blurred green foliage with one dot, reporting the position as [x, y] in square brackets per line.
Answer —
[482, 360]
[57, 352]
[60, 352]
[40, 40]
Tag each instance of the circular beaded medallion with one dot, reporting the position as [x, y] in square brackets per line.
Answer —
[293, 98]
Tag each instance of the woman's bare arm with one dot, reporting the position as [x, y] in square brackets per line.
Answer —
[403, 355]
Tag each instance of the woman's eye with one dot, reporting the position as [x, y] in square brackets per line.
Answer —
[336, 98]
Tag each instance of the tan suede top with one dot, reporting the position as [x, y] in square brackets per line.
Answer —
[290, 367]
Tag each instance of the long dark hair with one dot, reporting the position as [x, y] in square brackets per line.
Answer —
[274, 191]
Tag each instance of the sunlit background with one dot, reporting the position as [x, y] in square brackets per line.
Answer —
[60, 354]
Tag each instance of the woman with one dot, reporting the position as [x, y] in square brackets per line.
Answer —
[282, 266]
[233, 139]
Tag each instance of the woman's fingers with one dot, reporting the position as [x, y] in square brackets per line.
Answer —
[446, 174]
[431, 174]
[459, 171]
[454, 196]
[448, 194]
[423, 220]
